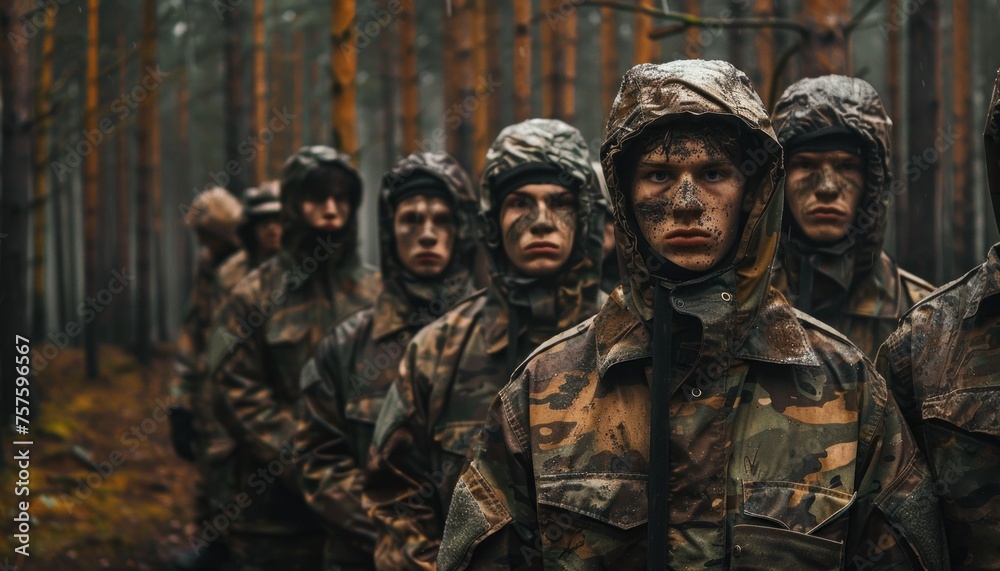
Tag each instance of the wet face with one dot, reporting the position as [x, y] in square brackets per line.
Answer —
[268, 232]
[823, 190]
[687, 198]
[538, 223]
[327, 210]
[425, 235]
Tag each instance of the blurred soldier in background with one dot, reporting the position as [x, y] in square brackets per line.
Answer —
[215, 216]
[943, 365]
[541, 226]
[427, 244]
[697, 421]
[260, 234]
[265, 332]
[836, 136]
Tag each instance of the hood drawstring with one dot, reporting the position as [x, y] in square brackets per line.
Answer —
[659, 431]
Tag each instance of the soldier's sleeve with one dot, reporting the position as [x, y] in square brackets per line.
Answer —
[400, 498]
[329, 476]
[492, 522]
[895, 363]
[896, 522]
[244, 400]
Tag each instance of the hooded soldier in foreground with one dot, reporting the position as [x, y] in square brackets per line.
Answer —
[697, 421]
[427, 240]
[836, 137]
[944, 368]
[215, 216]
[264, 334]
[542, 229]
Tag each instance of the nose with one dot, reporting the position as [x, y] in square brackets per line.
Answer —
[827, 187]
[330, 209]
[543, 223]
[428, 238]
[687, 205]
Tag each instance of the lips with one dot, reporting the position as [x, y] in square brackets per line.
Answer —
[542, 248]
[831, 213]
[427, 258]
[688, 238]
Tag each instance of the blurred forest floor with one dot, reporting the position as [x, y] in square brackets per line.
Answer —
[87, 513]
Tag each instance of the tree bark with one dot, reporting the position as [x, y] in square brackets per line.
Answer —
[924, 122]
[144, 188]
[692, 49]
[522, 59]
[298, 82]
[123, 303]
[567, 76]
[964, 213]
[824, 50]
[646, 49]
[409, 80]
[610, 75]
[91, 183]
[766, 55]
[343, 70]
[259, 93]
[233, 108]
[480, 116]
[458, 83]
[894, 81]
[43, 106]
[549, 46]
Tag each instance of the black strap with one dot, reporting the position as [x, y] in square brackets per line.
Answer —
[806, 286]
[659, 433]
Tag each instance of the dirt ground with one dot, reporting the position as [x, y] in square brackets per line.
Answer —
[103, 495]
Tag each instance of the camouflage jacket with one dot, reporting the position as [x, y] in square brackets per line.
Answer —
[263, 335]
[943, 366]
[871, 310]
[345, 383]
[786, 451]
[858, 289]
[455, 366]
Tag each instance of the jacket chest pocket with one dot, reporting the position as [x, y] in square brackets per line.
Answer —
[788, 525]
[604, 512]
[290, 345]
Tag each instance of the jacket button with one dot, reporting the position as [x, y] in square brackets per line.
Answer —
[678, 303]
[696, 392]
[737, 551]
[726, 296]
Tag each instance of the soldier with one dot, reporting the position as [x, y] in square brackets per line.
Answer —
[263, 335]
[426, 214]
[836, 136]
[752, 437]
[260, 234]
[943, 367]
[541, 226]
[215, 216]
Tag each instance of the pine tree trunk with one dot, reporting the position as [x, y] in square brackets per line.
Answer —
[91, 183]
[409, 92]
[924, 122]
[144, 188]
[567, 81]
[298, 81]
[344, 69]
[123, 303]
[480, 116]
[549, 51]
[458, 83]
[964, 255]
[494, 74]
[610, 74]
[692, 49]
[43, 106]
[825, 49]
[259, 93]
[233, 107]
[522, 59]
[388, 78]
[766, 55]
[646, 50]
[894, 81]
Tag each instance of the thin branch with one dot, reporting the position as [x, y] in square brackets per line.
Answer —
[860, 16]
[690, 20]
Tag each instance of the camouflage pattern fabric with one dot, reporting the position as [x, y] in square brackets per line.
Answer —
[455, 366]
[859, 290]
[944, 368]
[345, 382]
[263, 335]
[786, 450]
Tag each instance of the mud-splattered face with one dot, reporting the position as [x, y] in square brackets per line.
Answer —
[823, 190]
[328, 211]
[538, 223]
[608, 248]
[425, 235]
[687, 198]
[268, 232]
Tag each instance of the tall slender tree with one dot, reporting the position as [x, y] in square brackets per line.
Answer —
[298, 84]
[692, 49]
[91, 182]
[43, 109]
[409, 83]
[961, 99]
[259, 92]
[610, 74]
[825, 50]
[646, 50]
[567, 27]
[549, 46]
[343, 74]
[233, 106]
[522, 59]
[459, 83]
[766, 53]
[480, 115]
[123, 303]
[145, 174]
